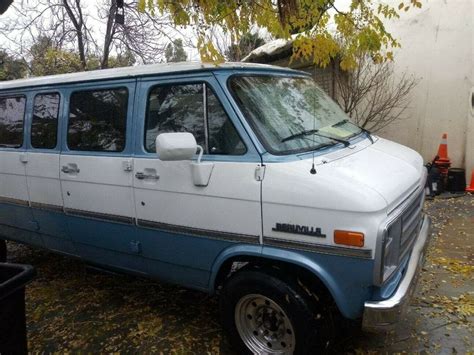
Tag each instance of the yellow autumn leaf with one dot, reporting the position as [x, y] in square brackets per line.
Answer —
[360, 29]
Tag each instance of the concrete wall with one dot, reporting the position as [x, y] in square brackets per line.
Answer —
[438, 47]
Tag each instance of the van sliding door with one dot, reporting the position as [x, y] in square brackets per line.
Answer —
[96, 173]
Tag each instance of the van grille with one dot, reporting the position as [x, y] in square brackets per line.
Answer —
[411, 219]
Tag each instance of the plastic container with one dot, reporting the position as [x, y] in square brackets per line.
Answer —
[456, 180]
[13, 278]
[3, 251]
[435, 181]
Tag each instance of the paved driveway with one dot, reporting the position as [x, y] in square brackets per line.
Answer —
[70, 308]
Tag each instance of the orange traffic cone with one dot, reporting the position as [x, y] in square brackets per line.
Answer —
[470, 188]
[442, 160]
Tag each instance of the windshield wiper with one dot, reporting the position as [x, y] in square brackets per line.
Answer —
[315, 132]
[344, 121]
[340, 123]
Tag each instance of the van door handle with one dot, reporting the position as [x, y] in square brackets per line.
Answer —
[70, 169]
[142, 176]
[65, 170]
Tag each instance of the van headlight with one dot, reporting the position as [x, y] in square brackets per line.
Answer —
[391, 248]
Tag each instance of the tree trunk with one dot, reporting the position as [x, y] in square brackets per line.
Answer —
[78, 26]
[109, 34]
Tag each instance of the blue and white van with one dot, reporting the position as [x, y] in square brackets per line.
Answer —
[245, 181]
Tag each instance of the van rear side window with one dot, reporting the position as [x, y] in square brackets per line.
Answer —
[12, 113]
[44, 126]
[98, 120]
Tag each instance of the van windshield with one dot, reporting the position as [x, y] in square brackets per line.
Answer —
[291, 114]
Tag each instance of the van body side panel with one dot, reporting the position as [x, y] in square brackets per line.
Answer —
[53, 228]
[13, 187]
[173, 257]
[176, 258]
[182, 259]
[107, 243]
[174, 203]
[43, 181]
[17, 224]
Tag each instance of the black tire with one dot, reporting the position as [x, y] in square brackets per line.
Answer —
[3, 251]
[311, 320]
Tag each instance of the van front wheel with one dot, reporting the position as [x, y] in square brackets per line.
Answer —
[264, 314]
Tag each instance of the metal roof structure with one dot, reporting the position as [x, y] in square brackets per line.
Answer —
[270, 51]
[131, 72]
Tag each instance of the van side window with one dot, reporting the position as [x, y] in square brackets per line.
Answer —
[175, 108]
[97, 120]
[223, 137]
[44, 125]
[191, 108]
[12, 113]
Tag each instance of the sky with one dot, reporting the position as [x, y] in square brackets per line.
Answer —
[13, 42]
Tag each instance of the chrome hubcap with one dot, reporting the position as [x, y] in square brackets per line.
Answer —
[263, 325]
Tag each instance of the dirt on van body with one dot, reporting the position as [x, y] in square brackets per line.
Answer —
[70, 308]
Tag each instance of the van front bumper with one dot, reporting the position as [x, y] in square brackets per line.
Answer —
[381, 316]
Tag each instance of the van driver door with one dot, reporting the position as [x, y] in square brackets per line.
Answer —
[183, 225]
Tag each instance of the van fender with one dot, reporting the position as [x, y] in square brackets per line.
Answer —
[348, 306]
[242, 250]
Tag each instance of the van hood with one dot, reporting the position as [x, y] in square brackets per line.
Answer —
[362, 178]
[406, 167]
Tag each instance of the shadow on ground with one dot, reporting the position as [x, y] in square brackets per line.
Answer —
[71, 308]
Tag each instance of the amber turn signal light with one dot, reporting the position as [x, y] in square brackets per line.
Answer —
[354, 239]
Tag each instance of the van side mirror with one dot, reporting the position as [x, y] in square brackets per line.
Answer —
[183, 146]
[175, 146]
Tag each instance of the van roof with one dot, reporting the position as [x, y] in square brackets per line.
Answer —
[131, 72]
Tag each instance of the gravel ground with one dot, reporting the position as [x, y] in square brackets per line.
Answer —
[71, 308]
